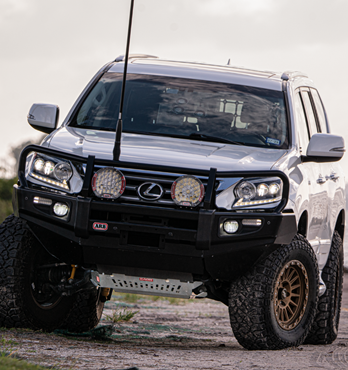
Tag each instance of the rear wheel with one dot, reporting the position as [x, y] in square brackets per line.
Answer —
[325, 326]
[28, 299]
[273, 306]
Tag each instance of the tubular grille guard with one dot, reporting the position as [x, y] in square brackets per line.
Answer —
[149, 286]
[147, 167]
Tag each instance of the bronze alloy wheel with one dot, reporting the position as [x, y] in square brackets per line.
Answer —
[273, 306]
[291, 295]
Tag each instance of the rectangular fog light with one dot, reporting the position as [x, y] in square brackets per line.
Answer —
[252, 222]
[44, 201]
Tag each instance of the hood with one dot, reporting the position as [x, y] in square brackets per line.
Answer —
[165, 151]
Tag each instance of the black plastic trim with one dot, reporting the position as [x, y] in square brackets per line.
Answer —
[287, 108]
[86, 188]
[317, 159]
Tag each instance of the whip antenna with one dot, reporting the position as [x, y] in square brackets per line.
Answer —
[117, 147]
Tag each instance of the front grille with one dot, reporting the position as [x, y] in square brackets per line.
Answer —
[135, 178]
[171, 222]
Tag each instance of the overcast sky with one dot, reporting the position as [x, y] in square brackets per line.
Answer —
[51, 49]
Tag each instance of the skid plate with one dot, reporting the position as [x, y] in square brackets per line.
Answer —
[144, 285]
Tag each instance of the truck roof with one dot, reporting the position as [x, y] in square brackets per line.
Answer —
[146, 64]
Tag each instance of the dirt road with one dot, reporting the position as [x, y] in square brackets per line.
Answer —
[166, 335]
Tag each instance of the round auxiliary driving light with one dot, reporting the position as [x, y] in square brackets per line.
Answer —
[108, 183]
[230, 227]
[60, 209]
[246, 190]
[187, 191]
[63, 171]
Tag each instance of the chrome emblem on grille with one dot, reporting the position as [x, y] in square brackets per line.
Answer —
[150, 191]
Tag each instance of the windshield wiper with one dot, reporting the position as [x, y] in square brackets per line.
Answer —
[193, 136]
[214, 138]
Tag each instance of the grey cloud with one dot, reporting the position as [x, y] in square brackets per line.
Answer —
[49, 49]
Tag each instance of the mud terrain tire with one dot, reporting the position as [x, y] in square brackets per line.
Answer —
[86, 312]
[325, 326]
[273, 306]
[21, 305]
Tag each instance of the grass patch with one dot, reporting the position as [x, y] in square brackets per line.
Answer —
[121, 315]
[8, 342]
[171, 300]
[177, 301]
[135, 298]
[130, 298]
[9, 363]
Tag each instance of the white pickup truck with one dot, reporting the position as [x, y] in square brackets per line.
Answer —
[228, 187]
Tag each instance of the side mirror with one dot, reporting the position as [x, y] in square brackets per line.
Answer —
[325, 148]
[44, 117]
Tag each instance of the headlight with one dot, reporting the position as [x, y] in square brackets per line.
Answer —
[258, 192]
[63, 171]
[108, 183]
[52, 172]
[187, 191]
[246, 190]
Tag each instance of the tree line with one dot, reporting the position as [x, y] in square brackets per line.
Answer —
[6, 184]
[6, 197]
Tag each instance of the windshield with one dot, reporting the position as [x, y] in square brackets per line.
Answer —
[185, 108]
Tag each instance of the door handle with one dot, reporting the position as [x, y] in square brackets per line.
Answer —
[334, 176]
[321, 180]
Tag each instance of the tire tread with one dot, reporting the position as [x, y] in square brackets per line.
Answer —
[324, 330]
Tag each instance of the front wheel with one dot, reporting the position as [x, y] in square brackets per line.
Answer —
[273, 306]
[27, 299]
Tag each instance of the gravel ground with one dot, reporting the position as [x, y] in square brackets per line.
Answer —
[162, 335]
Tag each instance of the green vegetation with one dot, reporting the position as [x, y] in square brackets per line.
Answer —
[6, 197]
[4, 342]
[10, 363]
[6, 188]
[134, 298]
[121, 315]
[128, 297]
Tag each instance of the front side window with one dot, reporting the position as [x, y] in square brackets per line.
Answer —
[192, 109]
[301, 124]
[320, 110]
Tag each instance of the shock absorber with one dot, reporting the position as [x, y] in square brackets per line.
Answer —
[73, 271]
[104, 294]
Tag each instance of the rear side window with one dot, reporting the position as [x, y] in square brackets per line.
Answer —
[320, 110]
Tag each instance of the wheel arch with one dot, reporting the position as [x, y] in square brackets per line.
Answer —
[340, 223]
[302, 224]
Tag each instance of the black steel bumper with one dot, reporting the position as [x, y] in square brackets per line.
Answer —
[147, 237]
